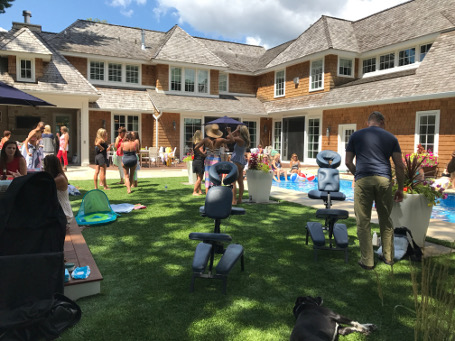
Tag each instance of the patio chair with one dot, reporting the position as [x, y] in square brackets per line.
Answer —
[153, 155]
[328, 190]
[171, 159]
[218, 206]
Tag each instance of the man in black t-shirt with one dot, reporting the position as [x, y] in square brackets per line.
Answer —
[373, 147]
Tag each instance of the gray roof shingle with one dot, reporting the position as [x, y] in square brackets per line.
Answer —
[123, 99]
[224, 105]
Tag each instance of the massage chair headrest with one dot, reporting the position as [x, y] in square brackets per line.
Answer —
[223, 168]
[328, 159]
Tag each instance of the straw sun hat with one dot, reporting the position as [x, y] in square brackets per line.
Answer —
[213, 131]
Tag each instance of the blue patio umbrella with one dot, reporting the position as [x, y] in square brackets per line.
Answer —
[225, 120]
[12, 96]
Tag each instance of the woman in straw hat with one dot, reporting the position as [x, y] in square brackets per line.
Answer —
[212, 144]
[241, 136]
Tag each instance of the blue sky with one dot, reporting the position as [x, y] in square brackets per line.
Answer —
[263, 22]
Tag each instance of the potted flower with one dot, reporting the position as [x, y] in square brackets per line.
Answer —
[259, 178]
[429, 161]
[420, 196]
[189, 165]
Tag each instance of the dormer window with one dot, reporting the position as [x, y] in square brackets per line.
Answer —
[108, 72]
[223, 85]
[26, 70]
[406, 57]
[345, 67]
[195, 81]
[387, 61]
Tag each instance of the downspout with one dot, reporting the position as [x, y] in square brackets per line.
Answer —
[156, 127]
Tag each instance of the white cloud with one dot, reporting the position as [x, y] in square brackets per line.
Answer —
[127, 13]
[125, 3]
[268, 22]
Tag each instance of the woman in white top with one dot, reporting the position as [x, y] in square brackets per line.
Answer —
[63, 149]
[54, 168]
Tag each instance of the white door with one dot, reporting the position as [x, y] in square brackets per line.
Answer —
[344, 133]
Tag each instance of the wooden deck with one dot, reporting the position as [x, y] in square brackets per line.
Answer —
[77, 251]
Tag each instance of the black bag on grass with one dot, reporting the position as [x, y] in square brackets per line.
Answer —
[413, 252]
[41, 320]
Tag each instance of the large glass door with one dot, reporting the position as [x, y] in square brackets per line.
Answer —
[293, 137]
[344, 134]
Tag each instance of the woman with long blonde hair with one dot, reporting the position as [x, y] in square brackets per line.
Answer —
[101, 159]
[241, 136]
[198, 162]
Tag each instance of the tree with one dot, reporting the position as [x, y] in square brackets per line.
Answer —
[4, 4]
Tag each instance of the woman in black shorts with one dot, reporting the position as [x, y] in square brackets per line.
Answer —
[101, 160]
[129, 148]
[198, 162]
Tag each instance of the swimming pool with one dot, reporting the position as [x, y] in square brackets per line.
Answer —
[445, 210]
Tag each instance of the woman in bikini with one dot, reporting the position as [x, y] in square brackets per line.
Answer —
[295, 164]
[241, 136]
[128, 149]
[101, 160]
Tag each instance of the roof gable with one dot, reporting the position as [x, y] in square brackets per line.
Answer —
[24, 41]
[180, 47]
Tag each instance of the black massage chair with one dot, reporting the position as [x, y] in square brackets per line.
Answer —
[218, 206]
[328, 190]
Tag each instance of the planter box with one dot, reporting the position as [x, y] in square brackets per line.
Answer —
[259, 185]
[414, 213]
[192, 177]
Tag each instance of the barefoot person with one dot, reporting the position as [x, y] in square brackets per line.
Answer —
[101, 160]
[63, 146]
[276, 168]
[118, 158]
[241, 136]
[129, 159]
[198, 162]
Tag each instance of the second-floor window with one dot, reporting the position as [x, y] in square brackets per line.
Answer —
[195, 80]
[387, 61]
[369, 65]
[279, 83]
[345, 67]
[223, 82]
[424, 50]
[317, 75]
[26, 70]
[101, 71]
[406, 57]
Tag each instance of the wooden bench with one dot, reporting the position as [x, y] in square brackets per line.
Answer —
[76, 251]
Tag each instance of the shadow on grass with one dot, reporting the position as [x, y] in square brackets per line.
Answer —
[145, 258]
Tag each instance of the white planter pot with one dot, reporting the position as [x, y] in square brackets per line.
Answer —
[192, 177]
[259, 185]
[414, 213]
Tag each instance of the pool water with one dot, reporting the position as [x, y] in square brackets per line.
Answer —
[445, 210]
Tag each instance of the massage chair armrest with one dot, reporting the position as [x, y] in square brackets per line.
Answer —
[210, 237]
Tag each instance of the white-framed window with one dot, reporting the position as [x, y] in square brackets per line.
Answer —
[345, 67]
[424, 50]
[130, 122]
[427, 129]
[314, 127]
[176, 79]
[114, 72]
[252, 128]
[279, 83]
[369, 65]
[196, 80]
[407, 56]
[223, 82]
[317, 75]
[110, 72]
[132, 74]
[277, 135]
[387, 61]
[25, 69]
[190, 125]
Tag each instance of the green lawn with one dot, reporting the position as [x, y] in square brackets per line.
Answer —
[145, 258]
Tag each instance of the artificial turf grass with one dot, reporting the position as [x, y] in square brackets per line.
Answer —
[145, 258]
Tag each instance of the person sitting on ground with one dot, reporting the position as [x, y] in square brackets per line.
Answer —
[295, 164]
[12, 163]
[101, 159]
[53, 166]
[48, 141]
[276, 168]
[6, 137]
[129, 159]
[241, 137]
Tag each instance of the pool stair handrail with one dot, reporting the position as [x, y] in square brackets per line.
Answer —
[328, 190]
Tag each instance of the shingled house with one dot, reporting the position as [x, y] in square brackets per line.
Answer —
[302, 96]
